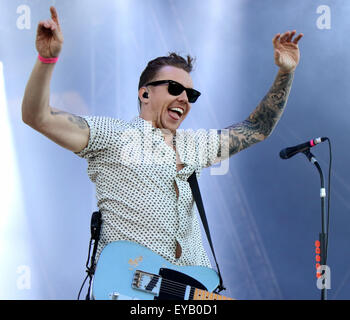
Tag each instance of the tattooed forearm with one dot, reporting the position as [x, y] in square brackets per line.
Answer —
[270, 109]
[79, 121]
[261, 121]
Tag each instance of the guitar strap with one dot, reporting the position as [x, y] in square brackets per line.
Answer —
[95, 227]
[197, 197]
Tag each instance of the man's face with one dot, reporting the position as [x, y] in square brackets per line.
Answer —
[157, 108]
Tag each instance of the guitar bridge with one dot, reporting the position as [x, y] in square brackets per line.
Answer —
[147, 282]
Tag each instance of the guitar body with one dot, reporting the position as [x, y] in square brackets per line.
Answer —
[128, 271]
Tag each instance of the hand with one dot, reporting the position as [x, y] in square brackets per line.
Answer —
[286, 51]
[49, 37]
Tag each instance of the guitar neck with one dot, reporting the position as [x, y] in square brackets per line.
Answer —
[206, 295]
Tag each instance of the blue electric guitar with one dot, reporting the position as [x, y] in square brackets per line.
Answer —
[129, 271]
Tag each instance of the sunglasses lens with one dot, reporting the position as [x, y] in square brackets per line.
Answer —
[192, 95]
[176, 89]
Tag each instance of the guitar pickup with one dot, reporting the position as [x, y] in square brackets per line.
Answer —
[147, 282]
[136, 280]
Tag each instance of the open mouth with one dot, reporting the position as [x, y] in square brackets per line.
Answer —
[175, 113]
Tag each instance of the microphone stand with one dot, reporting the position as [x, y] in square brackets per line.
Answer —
[323, 235]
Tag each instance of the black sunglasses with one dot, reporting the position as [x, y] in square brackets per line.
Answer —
[175, 89]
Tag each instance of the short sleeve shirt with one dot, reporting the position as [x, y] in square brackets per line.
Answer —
[134, 171]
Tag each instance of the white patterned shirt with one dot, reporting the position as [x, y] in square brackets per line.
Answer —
[134, 171]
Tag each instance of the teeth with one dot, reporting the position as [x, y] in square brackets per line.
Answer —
[177, 109]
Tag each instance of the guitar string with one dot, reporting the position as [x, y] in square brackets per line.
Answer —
[173, 283]
[179, 291]
[181, 294]
[174, 287]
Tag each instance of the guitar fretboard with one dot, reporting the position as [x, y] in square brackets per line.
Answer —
[206, 295]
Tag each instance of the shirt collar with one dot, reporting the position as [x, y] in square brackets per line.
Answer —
[144, 125]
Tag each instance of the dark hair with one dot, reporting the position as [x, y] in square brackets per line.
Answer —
[155, 65]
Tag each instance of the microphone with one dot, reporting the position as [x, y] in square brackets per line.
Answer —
[292, 151]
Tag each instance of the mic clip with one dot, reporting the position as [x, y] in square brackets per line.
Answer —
[310, 156]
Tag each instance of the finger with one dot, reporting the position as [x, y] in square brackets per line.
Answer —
[48, 24]
[275, 39]
[43, 25]
[52, 24]
[296, 40]
[292, 34]
[285, 36]
[54, 16]
[48, 28]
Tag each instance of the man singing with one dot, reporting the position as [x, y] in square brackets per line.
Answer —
[141, 167]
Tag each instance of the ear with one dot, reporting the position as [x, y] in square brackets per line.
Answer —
[143, 95]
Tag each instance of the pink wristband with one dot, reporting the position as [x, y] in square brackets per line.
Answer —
[47, 60]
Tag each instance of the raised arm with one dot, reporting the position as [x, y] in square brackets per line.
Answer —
[261, 122]
[67, 130]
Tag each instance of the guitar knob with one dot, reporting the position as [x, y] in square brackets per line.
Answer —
[114, 296]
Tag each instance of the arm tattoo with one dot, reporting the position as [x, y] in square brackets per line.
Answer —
[79, 121]
[261, 122]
